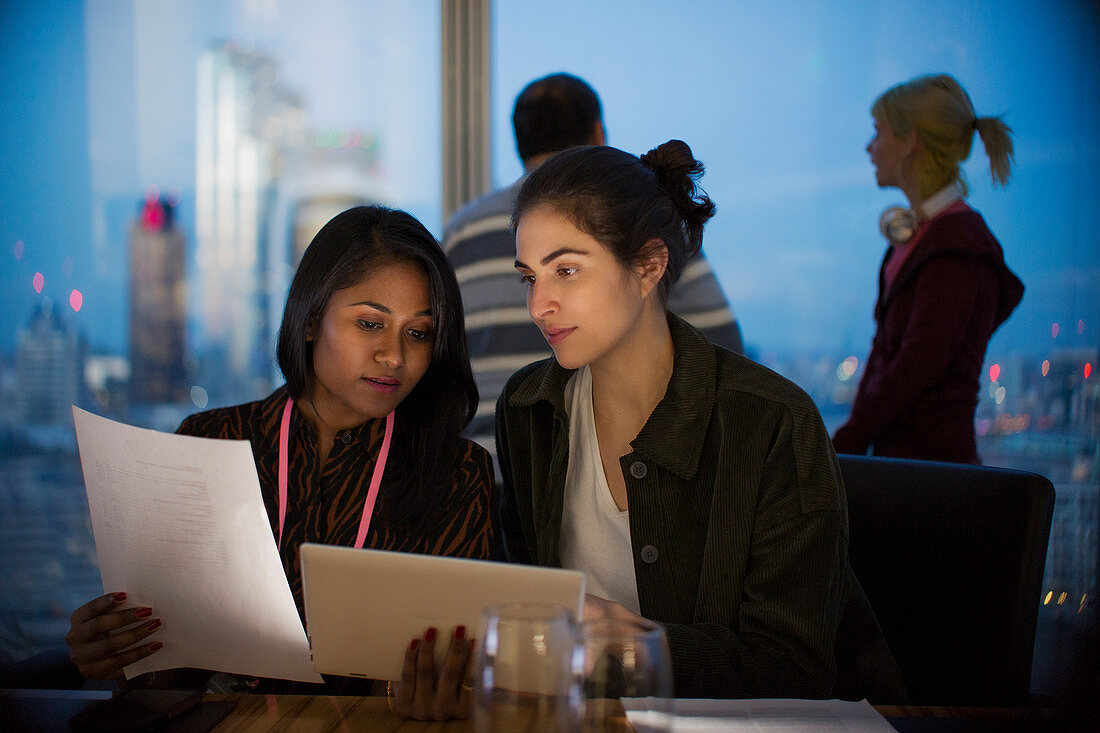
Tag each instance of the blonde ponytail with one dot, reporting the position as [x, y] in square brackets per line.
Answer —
[997, 140]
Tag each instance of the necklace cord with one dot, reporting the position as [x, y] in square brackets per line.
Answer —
[375, 480]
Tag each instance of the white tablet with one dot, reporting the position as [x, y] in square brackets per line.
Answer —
[363, 607]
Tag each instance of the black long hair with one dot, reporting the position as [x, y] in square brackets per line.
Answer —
[430, 419]
[625, 202]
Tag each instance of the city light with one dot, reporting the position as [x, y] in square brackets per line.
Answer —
[153, 216]
[76, 300]
[335, 137]
[1007, 424]
[1088, 369]
[1049, 595]
[847, 368]
[994, 372]
[37, 282]
[199, 397]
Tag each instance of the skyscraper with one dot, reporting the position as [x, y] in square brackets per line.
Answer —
[245, 121]
[157, 305]
[49, 368]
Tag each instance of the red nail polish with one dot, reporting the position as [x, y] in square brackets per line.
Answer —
[143, 612]
[153, 625]
[430, 636]
[460, 632]
[413, 644]
[119, 597]
[156, 645]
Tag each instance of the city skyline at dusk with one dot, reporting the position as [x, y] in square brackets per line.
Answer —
[166, 163]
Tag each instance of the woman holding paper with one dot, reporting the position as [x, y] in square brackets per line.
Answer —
[362, 445]
[693, 486]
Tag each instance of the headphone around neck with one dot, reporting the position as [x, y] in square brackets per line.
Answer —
[898, 224]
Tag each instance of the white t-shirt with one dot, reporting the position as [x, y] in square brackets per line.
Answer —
[595, 534]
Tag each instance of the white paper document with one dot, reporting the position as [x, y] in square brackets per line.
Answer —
[180, 525]
[788, 716]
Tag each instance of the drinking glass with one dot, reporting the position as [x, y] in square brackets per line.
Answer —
[528, 670]
[627, 674]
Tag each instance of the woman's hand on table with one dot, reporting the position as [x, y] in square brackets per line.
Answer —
[101, 634]
[596, 609]
[422, 694]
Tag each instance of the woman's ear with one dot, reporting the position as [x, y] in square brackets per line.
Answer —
[653, 265]
[913, 144]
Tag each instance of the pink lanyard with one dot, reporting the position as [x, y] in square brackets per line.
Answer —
[375, 479]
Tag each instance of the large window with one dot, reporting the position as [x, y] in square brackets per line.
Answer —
[775, 99]
[165, 163]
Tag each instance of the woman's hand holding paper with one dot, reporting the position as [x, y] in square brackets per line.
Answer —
[102, 636]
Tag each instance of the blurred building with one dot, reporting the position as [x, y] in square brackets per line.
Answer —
[337, 170]
[158, 306]
[245, 123]
[49, 368]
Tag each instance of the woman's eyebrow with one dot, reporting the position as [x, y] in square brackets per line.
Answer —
[384, 309]
[553, 256]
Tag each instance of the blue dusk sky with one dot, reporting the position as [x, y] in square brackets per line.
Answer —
[99, 102]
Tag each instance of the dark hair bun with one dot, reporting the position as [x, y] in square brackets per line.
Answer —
[678, 173]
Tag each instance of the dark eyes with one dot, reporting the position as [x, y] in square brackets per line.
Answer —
[416, 334]
[563, 271]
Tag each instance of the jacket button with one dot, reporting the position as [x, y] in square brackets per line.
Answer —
[649, 554]
[344, 437]
[638, 469]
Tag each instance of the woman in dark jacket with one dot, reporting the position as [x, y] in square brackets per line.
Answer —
[691, 485]
[943, 284]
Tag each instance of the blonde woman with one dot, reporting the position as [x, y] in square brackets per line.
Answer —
[944, 287]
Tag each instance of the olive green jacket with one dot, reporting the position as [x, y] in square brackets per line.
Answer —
[738, 524]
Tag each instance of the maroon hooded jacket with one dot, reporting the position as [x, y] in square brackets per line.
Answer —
[920, 385]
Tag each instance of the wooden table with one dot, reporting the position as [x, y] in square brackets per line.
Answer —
[49, 710]
[255, 713]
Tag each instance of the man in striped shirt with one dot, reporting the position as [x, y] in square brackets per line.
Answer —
[552, 113]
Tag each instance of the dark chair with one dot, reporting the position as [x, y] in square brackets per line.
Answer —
[951, 557]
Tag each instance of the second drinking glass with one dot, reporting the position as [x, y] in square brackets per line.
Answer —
[527, 674]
